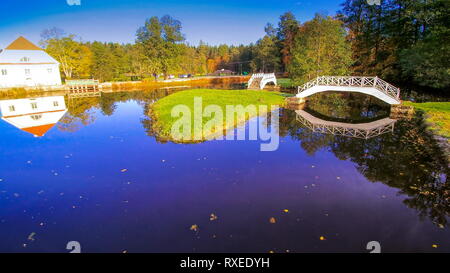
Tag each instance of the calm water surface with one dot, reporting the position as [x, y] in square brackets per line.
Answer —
[102, 178]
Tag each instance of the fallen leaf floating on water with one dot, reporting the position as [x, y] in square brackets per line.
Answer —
[194, 228]
[213, 217]
[272, 220]
[123, 170]
[31, 236]
[435, 246]
[322, 238]
[285, 210]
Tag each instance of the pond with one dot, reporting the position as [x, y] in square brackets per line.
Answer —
[92, 170]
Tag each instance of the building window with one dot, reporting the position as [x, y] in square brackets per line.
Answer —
[25, 59]
[55, 103]
[4, 72]
[27, 72]
[34, 105]
[49, 70]
[36, 117]
[12, 108]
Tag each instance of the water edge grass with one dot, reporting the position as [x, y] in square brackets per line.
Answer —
[161, 111]
[437, 115]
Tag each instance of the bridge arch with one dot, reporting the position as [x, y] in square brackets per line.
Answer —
[260, 80]
[373, 86]
[360, 130]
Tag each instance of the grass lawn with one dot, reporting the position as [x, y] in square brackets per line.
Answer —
[161, 111]
[286, 83]
[438, 115]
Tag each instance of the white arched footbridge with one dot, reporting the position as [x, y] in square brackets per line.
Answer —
[362, 130]
[259, 80]
[373, 86]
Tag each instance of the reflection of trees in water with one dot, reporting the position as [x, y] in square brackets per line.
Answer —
[347, 107]
[82, 111]
[409, 159]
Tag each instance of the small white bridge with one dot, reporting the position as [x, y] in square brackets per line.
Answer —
[362, 130]
[258, 81]
[373, 86]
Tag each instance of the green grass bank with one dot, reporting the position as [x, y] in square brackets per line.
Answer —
[163, 121]
[437, 114]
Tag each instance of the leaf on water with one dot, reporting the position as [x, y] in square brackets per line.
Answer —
[123, 170]
[194, 228]
[322, 238]
[435, 246]
[31, 236]
[272, 220]
[285, 210]
[213, 217]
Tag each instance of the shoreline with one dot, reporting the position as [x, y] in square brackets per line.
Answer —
[129, 85]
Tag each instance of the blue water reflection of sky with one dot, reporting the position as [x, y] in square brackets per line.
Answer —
[69, 186]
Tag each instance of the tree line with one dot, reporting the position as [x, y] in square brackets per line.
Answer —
[398, 40]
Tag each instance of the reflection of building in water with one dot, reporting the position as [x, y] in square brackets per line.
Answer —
[362, 130]
[36, 115]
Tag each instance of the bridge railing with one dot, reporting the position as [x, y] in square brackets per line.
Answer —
[262, 76]
[364, 131]
[375, 82]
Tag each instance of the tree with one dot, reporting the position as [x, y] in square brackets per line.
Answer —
[400, 40]
[287, 31]
[74, 57]
[320, 48]
[102, 64]
[160, 39]
[266, 52]
[426, 61]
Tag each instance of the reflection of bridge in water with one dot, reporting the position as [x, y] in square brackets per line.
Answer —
[362, 130]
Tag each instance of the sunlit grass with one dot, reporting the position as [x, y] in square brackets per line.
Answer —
[438, 115]
[162, 109]
[286, 83]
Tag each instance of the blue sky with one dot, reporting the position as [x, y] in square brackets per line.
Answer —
[213, 21]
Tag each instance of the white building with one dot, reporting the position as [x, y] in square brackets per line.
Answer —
[24, 64]
[35, 116]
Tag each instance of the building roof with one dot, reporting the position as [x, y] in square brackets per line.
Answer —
[22, 44]
[38, 131]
